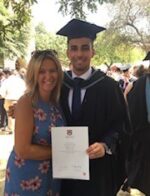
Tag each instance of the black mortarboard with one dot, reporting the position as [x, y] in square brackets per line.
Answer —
[147, 57]
[77, 28]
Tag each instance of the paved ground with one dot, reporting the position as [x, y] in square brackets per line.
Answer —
[6, 144]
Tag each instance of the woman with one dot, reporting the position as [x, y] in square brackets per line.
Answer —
[29, 171]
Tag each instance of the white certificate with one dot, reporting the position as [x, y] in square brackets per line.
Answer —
[69, 157]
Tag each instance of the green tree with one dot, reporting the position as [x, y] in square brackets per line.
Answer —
[112, 47]
[15, 19]
[127, 37]
[14, 15]
[132, 19]
[46, 40]
[78, 8]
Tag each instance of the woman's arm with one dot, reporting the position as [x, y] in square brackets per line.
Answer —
[24, 130]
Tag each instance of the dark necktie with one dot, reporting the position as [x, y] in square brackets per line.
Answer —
[76, 99]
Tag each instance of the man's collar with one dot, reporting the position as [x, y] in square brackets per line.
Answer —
[84, 76]
[94, 78]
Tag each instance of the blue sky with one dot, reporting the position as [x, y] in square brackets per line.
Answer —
[46, 11]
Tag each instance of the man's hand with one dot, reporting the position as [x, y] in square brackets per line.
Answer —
[11, 110]
[96, 150]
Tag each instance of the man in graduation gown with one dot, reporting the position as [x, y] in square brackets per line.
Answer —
[102, 109]
[139, 159]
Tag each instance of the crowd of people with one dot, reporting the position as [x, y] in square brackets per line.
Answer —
[108, 103]
[12, 87]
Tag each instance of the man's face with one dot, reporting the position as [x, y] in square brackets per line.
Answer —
[80, 51]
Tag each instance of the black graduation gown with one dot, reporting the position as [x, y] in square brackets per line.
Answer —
[139, 158]
[103, 111]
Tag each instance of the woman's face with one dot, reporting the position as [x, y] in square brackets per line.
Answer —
[48, 77]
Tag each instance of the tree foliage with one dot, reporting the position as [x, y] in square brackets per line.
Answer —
[15, 44]
[132, 20]
[46, 40]
[113, 47]
[15, 16]
[79, 8]
[119, 43]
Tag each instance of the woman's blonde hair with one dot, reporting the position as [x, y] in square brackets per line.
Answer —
[33, 71]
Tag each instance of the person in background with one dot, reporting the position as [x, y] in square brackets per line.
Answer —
[7, 73]
[115, 71]
[138, 71]
[11, 90]
[29, 168]
[20, 63]
[104, 68]
[3, 115]
[139, 159]
[22, 73]
[125, 76]
[100, 106]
